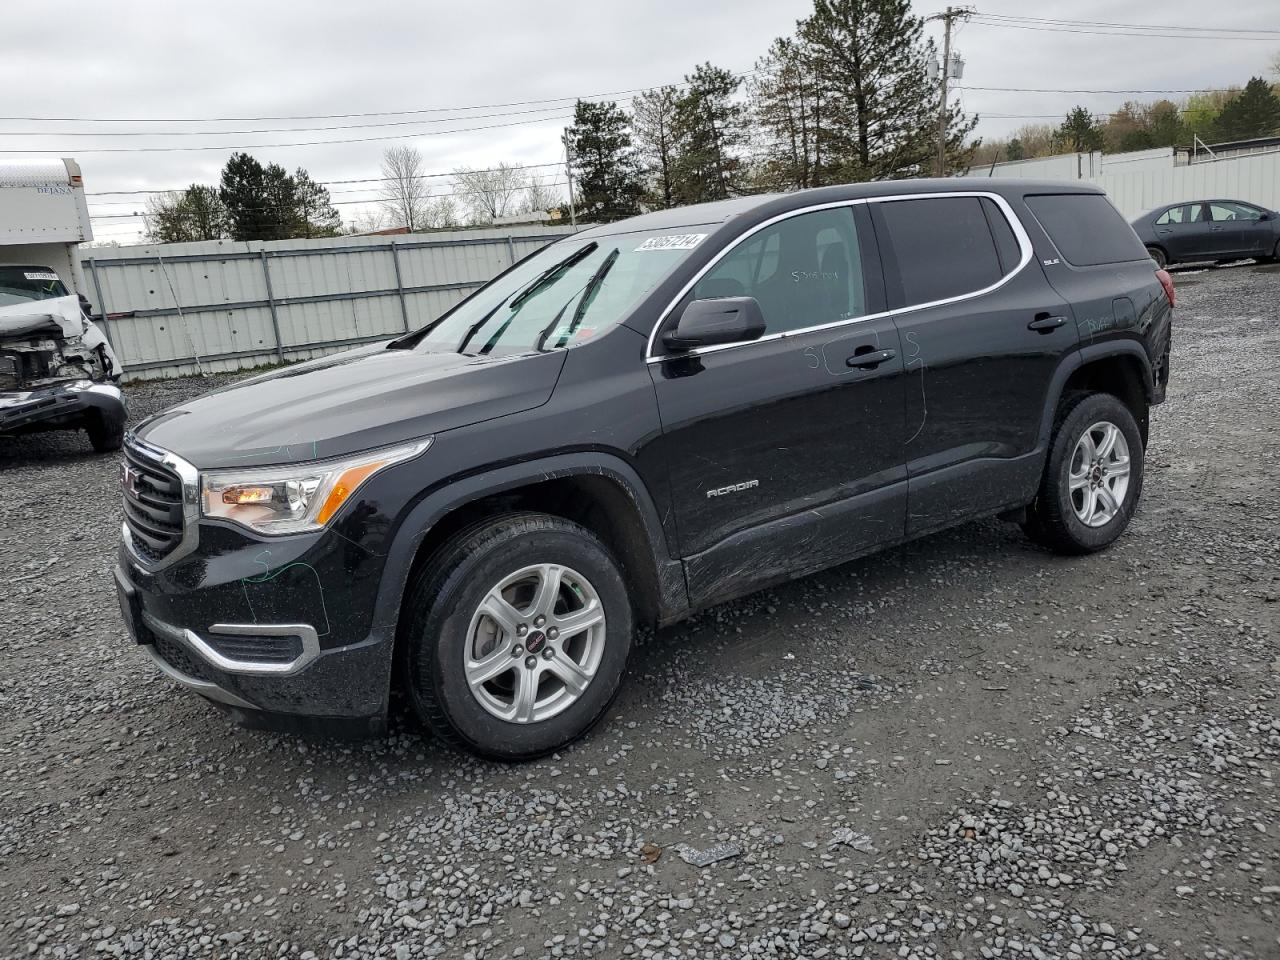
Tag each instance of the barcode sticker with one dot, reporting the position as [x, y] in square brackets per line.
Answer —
[40, 276]
[676, 241]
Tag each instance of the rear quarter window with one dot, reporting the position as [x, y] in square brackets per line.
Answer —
[1086, 228]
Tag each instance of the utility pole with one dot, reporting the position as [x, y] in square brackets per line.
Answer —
[948, 17]
[568, 170]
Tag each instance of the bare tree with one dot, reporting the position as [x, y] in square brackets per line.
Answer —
[490, 193]
[404, 191]
[369, 221]
[443, 213]
[540, 196]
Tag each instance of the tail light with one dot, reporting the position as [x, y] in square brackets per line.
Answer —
[1166, 281]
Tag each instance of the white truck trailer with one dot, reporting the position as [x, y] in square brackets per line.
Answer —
[57, 369]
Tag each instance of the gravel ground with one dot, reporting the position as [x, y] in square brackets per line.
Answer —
[965, 747]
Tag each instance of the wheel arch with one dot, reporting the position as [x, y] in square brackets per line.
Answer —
[603, 493]
[1164, 251]
[1122, 369]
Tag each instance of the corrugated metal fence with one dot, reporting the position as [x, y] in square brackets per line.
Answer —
[1144, 179]
[223, 305]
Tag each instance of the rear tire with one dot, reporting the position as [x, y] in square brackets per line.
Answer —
[1093, 477]
[105, 435]
[497, 658]
[1156, 254]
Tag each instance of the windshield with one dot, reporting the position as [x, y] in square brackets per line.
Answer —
[563, 295]
[24, 284]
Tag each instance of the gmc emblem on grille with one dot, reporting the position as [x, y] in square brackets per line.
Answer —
[129, 480]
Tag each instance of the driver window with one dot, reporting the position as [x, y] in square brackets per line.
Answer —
[804, 271]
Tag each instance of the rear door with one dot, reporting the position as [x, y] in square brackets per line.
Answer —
[1184, 232]
[982, 333]
[785, 453]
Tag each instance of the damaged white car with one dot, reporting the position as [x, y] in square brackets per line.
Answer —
[57, 370]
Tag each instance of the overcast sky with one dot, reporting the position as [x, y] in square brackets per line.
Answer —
[170, 61]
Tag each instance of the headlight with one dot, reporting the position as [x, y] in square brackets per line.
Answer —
[297, 497]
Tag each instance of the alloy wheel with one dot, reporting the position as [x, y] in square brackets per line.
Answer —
[1098, 476]
[535, 643]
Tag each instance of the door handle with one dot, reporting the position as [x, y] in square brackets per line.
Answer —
[1046, 323]
[869, 361]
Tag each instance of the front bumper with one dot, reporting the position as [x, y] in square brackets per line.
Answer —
[277, 642]
[59, 406]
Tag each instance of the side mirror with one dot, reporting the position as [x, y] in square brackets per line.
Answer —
[708, 322]
[1267, 215]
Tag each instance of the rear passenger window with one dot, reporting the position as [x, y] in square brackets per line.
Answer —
[1183, 214]
[1087, 229]
[942, 246]
[805, 271]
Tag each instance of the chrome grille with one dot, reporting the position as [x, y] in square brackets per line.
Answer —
[153, 503]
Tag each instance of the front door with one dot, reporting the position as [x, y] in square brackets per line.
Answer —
[1253, 236]
[785, 453]
[1226, 229]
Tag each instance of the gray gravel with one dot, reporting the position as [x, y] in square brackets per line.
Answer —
[966, 747]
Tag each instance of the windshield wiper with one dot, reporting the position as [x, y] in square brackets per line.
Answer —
[583, 302]
[550, 272]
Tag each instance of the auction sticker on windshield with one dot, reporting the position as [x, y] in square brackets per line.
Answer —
[676, 241]
[40, 276]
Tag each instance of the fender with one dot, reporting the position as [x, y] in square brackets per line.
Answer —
[673, 599]
[1082, 356]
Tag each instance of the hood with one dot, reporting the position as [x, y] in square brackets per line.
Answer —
[351, 402]
[57, 316]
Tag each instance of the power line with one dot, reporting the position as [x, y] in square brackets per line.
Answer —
[350, 116]
[1126, 26]
[302, 143]
[227, 133]
[1067, 90]
[425, 176]
[981, 19]
[333, 203]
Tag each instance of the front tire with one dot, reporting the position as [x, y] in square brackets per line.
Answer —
[518, 632]
[1093, 478]
[1156, 254]
[105, 434]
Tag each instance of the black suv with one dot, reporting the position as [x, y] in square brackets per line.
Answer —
[635, 423]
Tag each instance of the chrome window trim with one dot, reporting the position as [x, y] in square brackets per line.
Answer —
[1019, 232]
[190, 478]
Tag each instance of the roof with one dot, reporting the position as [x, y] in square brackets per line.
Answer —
[770, 203]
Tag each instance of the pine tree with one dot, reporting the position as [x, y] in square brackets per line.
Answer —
[653, 129]
[605, 168]
[243, 192]
[1015, 150]
[1079, 132]
[788, 107]
[711, 128]
[880, 109]
[1255, 112]
[316, 216]
[196, 213]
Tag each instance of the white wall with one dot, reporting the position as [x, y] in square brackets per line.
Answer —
[1143, 179]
